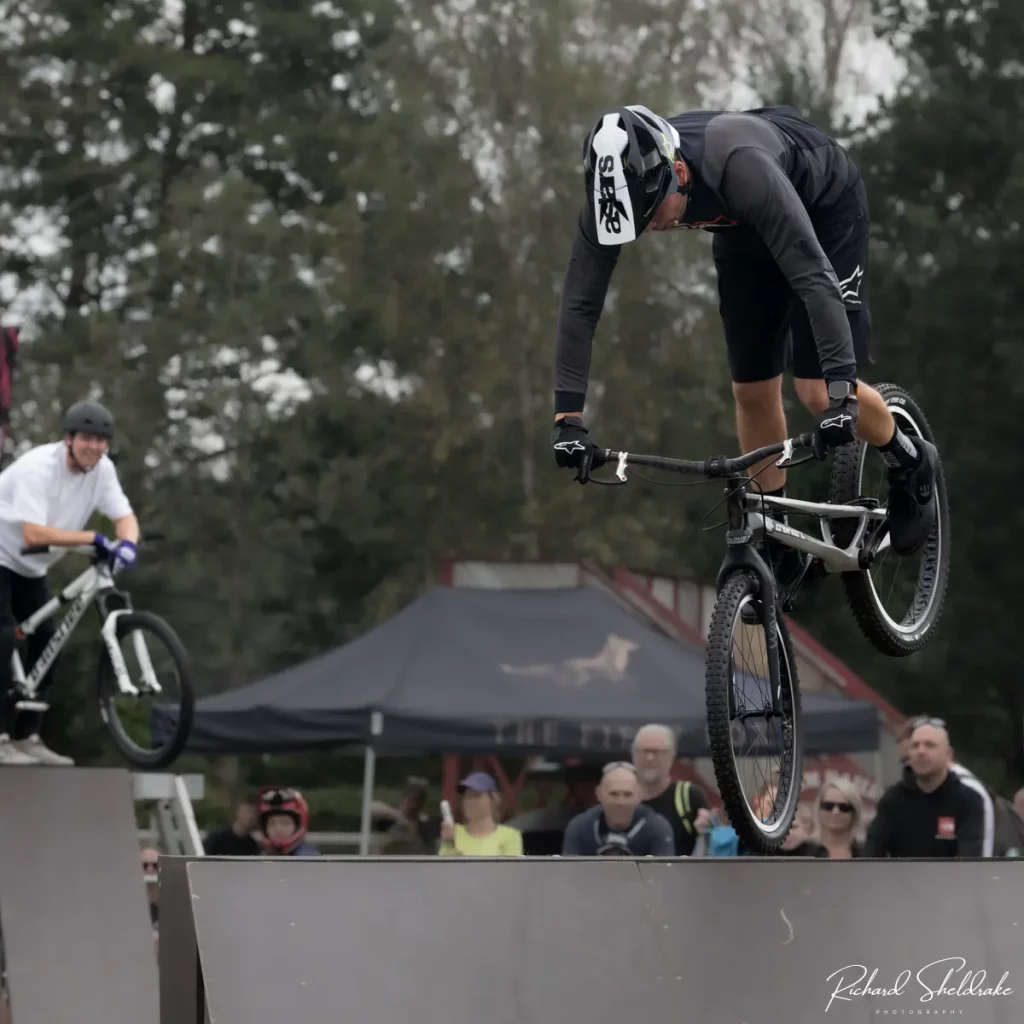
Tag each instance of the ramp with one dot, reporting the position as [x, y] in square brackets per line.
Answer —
[73, 912]
[602, 941]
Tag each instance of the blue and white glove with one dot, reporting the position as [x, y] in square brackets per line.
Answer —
[120, 554]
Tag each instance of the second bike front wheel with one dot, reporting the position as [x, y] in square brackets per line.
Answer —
[149, 730]
[753, 725]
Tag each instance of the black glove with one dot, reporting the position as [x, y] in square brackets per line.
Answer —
[573, 448]
[838, 423]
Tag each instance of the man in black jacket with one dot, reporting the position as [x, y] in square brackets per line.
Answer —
[929, 813]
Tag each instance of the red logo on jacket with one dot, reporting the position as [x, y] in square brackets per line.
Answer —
[947, 828]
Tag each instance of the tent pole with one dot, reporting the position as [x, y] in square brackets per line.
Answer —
[369, 771]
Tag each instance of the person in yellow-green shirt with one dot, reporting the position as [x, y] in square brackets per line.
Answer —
[481, 836]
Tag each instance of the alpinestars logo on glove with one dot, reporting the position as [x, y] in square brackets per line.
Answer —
[569, 447]
[836, 421]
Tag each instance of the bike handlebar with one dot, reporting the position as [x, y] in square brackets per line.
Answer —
[81, 549]
[715, 467]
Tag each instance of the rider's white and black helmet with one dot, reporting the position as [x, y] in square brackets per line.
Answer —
[628, 162]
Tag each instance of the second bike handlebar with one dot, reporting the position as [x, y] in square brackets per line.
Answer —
[81, 549]
[715, 467]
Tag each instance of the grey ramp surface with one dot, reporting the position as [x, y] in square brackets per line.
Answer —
[466, 942]
[812, 926]
[178, 955]
[451, 941]
[76, 930]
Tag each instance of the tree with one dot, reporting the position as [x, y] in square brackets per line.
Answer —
[943, 161]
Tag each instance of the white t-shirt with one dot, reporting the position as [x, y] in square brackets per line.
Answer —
[39, 488]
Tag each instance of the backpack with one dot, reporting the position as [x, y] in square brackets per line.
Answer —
[1008, 840]
[683, 805]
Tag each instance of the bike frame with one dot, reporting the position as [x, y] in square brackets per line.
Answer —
[94, 585]
[748, 521]
[833, 558]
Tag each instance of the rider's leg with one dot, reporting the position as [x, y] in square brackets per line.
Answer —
[29, 595]
[875, 423]
[754, 302]
[912, 462]
[761, 420]
[9, 754]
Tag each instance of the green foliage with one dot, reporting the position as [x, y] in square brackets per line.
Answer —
[311, 254]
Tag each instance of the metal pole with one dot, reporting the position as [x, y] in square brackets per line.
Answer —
[369, 770]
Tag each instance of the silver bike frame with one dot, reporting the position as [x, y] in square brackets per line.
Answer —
[832, 557]
[80, 594]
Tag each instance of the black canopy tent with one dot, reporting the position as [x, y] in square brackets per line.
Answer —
[559, 672]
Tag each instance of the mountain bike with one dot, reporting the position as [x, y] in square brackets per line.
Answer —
[748, 707]
[119, 678]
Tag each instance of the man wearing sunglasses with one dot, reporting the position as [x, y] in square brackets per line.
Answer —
[789, 213]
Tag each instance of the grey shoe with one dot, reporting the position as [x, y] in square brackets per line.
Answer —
[40, 753]
[10, 754]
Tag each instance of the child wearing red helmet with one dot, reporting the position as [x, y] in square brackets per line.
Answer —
[284, 822]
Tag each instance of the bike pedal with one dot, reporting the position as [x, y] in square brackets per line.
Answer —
[32, 705]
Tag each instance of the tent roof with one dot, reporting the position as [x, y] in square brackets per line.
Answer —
[554, 671]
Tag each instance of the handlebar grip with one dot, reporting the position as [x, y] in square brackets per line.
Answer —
[36, 549]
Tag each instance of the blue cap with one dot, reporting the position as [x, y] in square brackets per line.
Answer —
[479, 782]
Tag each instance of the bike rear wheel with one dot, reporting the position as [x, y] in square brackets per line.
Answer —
[753, 721]
[130, 718]
[897, 602]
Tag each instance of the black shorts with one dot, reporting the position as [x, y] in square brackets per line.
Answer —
[766, 325]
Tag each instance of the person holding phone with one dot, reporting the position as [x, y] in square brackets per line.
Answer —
[481, 835]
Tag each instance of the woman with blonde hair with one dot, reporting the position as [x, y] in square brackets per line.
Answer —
[839, 814]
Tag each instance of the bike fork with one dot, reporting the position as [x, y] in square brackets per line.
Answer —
[743, 555]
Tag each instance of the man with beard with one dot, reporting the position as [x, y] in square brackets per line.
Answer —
[682, 804]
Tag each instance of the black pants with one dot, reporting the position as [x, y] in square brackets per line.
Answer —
[20, 597]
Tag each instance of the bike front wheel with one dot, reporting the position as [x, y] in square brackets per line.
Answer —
[149, 728]
[753, 718]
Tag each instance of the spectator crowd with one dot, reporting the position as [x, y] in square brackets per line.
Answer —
[938, 808]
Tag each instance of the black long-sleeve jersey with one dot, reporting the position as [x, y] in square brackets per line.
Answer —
[767, 171]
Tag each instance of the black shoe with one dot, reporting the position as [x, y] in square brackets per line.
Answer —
[912, 506]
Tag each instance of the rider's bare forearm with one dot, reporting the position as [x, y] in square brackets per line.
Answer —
[37, 533]
[127, 528]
